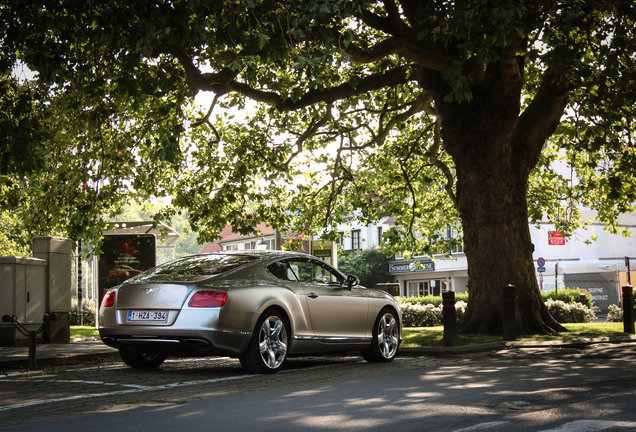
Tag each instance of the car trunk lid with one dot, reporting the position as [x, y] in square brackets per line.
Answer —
[151, 296]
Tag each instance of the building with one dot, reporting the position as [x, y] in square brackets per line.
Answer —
[577, 262]
[271, 239]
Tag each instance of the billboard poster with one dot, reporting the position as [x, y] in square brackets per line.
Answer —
[124, 256]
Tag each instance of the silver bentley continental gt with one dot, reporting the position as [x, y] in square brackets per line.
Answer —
[259, 306]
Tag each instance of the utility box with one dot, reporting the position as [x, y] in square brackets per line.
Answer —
[22, 290]
[58, 252]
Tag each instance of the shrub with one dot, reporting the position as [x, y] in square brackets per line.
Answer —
[418, 315]
[615, 314]
[570, 312]
[427, 315]
[88, 313]
[433, 300]
[569, 295]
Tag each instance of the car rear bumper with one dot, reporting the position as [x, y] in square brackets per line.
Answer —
[209, 343]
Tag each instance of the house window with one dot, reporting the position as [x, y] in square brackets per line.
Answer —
[341, 239]
[379, 235]
[413, 289]
[355, 239]
[424, 288]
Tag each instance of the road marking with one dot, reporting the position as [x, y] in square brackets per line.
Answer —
[592, 426]
[121, 392]
[481, 426]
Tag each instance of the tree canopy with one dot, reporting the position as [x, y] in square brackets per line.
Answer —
[442, 113]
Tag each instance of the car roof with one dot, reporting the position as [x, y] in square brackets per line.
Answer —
[267, 254]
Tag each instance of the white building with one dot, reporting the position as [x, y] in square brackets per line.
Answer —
[577, 262]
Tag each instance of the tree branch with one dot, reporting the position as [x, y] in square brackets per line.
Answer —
[309, 132]
[396, 45]
[510, 68]
[396, 21]
[215, 82]
[540, 119]
[445, 169]
[369, 83]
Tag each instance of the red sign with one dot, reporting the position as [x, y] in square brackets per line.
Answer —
[556, 238]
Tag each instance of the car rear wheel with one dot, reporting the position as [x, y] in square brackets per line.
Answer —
[141, 360]
[386, 338]
[267, 349]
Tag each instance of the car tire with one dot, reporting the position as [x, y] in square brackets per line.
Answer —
[386, 338]
[142, 360]
[267, 350]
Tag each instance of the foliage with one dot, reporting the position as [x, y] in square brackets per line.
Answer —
[570, 312]
[371, 266]
[426, 311]
[615, 313]
[569, 295]
[433, 300]
[374, 106]
[12, 241]
[88, 313]
[427, 315]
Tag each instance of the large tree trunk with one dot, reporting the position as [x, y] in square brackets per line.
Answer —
[492, 182]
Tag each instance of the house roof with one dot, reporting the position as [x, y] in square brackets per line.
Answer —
[227, 235]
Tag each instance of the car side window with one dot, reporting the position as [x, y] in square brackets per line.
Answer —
[310, 271]
[283, 271]
[323, 274]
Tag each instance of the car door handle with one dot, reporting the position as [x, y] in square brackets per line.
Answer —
[312, 295]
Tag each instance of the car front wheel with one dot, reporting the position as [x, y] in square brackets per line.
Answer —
[267, 349]
[386, 338]
[141, 360]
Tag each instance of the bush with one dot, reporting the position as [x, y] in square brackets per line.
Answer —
[569, 295]
[615, 314]
[570, 312]
[88, 313]
[427, 315]
[433, 300]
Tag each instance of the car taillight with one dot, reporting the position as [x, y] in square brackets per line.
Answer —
[109, 299]
[208, 298]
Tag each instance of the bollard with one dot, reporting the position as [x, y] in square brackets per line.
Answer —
[449, 317]
[509, 321]
[30, 333]
[628, 309]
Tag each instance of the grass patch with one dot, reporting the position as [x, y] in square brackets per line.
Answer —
[415, 337]
[84, 332]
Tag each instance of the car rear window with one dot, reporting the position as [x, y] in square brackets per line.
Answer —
[193, 268]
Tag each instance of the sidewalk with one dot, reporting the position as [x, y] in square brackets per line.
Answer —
[84, 351]
[76, 352]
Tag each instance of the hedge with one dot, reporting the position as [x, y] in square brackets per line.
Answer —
[564, 306]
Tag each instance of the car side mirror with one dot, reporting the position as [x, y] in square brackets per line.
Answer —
[352, 281]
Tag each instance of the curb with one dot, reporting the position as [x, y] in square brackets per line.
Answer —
[68, 356]
[67, 360]
[495, 346]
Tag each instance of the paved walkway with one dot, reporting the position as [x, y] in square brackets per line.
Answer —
[79, 351]
[51, 354]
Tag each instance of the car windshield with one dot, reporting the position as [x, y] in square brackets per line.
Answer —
[193, 268]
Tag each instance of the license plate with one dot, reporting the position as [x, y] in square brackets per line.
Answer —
[147, 316]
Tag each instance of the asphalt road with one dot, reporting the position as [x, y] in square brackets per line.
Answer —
[547, 389]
